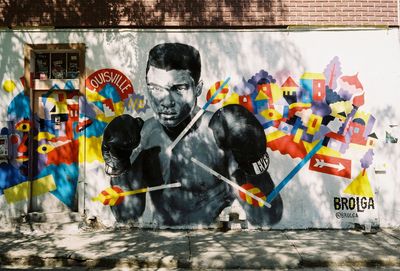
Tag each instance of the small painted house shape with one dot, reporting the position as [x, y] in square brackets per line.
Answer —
[289, 89]
[336, 142]
[357, 128]
[372, 140]
[313, 87]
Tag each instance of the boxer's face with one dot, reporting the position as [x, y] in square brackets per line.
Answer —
[172, 95]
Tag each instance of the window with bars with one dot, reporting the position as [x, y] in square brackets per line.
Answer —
[56, 65]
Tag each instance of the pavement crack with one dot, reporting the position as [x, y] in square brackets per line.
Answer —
[294, 246]
[190, 246]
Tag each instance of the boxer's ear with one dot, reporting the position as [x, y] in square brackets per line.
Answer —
[199, 88]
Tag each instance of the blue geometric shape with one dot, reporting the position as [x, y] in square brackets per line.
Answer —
[9, 177]
[99, 104]
[66, 179]
[19, 107]
[95, 129]
[110, 92]
[292, 173]
[69, 85]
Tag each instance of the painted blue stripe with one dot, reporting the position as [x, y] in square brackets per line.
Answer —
[294, 171]
[216, 93]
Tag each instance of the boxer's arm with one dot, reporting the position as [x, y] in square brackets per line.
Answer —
[260, 216]
[132, 207]
[120, 138]
[239, 133]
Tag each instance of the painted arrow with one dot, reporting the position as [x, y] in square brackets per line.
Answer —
[115, 195]
[321, 163]
[261, 201]
[336, 166]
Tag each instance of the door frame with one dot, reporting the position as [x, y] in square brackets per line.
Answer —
[29, 51]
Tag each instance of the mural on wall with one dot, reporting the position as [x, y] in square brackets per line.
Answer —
[109, 93]
[59, 126]
[55, 146]
[199, 161]
[319, 121]
[193, 161]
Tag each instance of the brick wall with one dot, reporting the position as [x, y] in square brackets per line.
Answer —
[198, 13]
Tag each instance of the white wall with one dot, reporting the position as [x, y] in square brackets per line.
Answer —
[308, 200]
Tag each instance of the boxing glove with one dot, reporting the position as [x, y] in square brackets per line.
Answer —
[236, 129]
[120, 137]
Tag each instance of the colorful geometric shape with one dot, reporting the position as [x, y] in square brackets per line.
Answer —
[9, 85]
[331, 165]
[360, 186]
[22, 191]
[255, 191]
[221, 95]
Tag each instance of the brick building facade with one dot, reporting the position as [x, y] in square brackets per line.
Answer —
[198, 13]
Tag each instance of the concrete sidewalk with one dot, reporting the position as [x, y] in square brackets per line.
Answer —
[205, 249]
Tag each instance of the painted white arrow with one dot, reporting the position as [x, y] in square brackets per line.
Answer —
[321, 163]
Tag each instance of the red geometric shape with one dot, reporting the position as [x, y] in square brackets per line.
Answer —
[246, 101]
[331, 165]
[353, 80]
[318, 90]
[290, 83]
[119, 191]
[286, 145]
[220, 96]
[253, 190]
[97, 80]
[14, 139]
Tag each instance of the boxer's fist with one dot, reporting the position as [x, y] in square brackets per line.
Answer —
[237, 130]
[120, 137]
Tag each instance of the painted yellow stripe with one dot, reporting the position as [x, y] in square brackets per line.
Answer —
[323, 150]
[44, 135]
[22, 191]
[312, 75]
[275, 135]
[298, 135]
[306, 105]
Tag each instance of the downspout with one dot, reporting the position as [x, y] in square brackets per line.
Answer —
[398, 13]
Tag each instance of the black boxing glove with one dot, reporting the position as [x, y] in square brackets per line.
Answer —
[120, 137]
[238, 130]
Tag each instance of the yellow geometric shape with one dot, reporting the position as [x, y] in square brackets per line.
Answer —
[361, 115]
[255, 191]
[92, 150]
[44, 135]
[61, 108]
[341, 107]
[312, 75]
[233, 99]
[276, 91]
[297, 136]
[119, 108]
[261, 96]
[93, 96]
[314, 123]
[275, 135]
[43, 185]
[303, 105]
[323, 150]
[360, 186]
[18, 192]
[9, 85]
[271, 114]
[22, 191]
